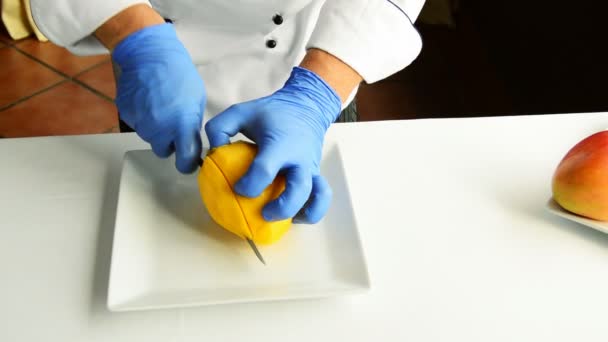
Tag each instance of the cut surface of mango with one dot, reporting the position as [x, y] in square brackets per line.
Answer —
[222, 168]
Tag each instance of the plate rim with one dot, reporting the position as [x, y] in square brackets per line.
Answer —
[553, 207]
[352, 288]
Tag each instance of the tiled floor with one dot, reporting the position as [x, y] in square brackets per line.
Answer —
[66, 108]
[46, 90]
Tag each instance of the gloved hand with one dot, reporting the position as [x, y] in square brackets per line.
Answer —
[289, 127]
[160, 94]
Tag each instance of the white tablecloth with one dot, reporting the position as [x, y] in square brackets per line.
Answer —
[451, 215]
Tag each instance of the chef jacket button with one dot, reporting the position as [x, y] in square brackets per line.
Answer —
[277, 19]
[271, 43]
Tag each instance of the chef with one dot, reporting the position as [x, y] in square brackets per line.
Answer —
[280, 72]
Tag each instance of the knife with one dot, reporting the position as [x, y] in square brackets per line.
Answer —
[256, 251]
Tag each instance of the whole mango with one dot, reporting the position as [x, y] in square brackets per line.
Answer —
[580, 181]
[222, 167]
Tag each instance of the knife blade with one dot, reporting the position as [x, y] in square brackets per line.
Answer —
[256, 251]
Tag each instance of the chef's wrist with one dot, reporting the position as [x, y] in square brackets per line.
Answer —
[126, 22]
[337, 74]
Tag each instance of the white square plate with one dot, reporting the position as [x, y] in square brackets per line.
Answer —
[167, 251]
[556, 209]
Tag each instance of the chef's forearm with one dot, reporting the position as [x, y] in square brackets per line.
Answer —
[129, 20]
[339, 75]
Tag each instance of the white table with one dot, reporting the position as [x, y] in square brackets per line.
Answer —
[452, 220]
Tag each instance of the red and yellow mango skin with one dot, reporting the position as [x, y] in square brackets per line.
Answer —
[580, 181]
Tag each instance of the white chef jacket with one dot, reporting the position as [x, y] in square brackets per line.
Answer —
[246, 49]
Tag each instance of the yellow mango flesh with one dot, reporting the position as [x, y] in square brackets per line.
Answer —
[222, 168]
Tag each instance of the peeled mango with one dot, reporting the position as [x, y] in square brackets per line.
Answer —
[580, 181]
[222, 167]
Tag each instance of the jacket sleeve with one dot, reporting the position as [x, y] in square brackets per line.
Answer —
[375, 37]
[71, 23]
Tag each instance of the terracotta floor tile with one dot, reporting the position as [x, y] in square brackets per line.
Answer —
[21, 76]
[100, 78]
[59, 57]
[66, 109]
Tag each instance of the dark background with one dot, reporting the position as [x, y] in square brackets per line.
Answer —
[502, 58]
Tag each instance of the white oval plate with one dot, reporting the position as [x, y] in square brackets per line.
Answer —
[556, 209]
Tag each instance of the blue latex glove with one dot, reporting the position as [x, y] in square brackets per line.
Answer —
[289, 127]
[160, 94]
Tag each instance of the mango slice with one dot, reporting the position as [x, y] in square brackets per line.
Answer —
[222, 168]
